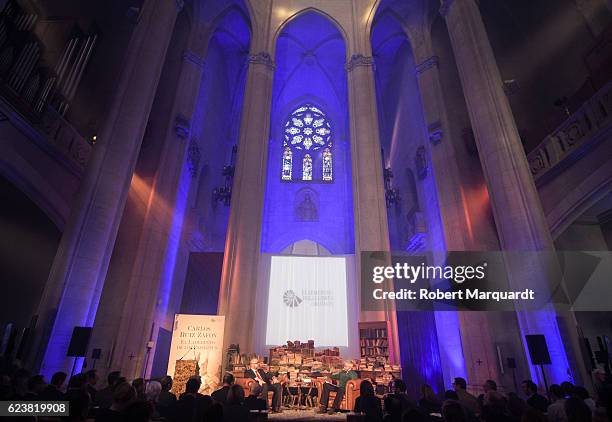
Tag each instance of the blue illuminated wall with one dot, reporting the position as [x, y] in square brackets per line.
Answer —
[310, 58]
[216, 124]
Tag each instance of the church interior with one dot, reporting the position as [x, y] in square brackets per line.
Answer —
[237, 160]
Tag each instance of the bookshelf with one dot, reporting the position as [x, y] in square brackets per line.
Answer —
[374, 341]
[374, 349]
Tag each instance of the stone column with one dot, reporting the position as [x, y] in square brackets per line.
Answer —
[242, 248]
[518, 214]
[443, 155]
[149, 284]
[75, 283]
[454, 352]
[475, 338]
[370, 212]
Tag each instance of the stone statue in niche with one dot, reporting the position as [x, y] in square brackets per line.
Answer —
[306, 210]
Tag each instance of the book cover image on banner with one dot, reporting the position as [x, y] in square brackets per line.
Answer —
[197, 343]
[307, 300]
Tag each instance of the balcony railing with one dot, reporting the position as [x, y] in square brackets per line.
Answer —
[65, 137]
[585, 124]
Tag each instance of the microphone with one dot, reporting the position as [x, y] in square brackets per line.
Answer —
[191, 348]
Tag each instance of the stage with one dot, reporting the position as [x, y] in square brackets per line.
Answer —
[306, 415]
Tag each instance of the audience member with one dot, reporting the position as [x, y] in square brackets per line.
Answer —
[556, 410]
[532, 414]
[139, 386]
[104, 397]
[253, 400]
[368, 404]
[220, 396]
[489, 385]
[36, 385]
[603, 387]
[583, 394]
[576, 410]
[392, 408]
[123, 395]
[568, 389]
[138, 411]
[92, 378]
[428, 402]
[570, 403]
[398, 389]
[494, 408]
[516, 406]
[467, 400]
[78, 398]
[415, 415]
[152, 391]
[533, 398]
[214, 413]
[452, 411]
[53, 391]
[451, 395]
[192, 405]
[234, 409]
[166, 402]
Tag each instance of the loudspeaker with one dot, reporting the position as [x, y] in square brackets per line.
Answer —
[79, 341]
[511, 363]
[538, 350]
[96, 353]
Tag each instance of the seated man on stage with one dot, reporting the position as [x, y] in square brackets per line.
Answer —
[267, 381]
[342, 378]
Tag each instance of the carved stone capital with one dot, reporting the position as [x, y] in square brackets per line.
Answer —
[180, 4]
[445, 7]
[263, 57]
[191, 56]
[358, 60]
[182, 126]
[428, 63]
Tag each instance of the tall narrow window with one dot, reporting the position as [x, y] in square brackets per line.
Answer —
[307, 167]
[287, 164]
[327, 165]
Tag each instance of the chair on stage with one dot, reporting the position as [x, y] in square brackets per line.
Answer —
[246, 384]
[350, 395]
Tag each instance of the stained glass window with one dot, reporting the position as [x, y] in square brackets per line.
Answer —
[307, 129]
[327, 165]
[287, 163]
[307, 167]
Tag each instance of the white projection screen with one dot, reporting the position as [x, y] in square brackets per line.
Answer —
[307, 301]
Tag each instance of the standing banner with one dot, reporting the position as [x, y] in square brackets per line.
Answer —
[199, 338]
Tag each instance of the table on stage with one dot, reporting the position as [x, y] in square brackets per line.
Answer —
[301, 393]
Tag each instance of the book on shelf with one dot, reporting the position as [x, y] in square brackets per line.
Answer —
[374, 342]
[373, 333]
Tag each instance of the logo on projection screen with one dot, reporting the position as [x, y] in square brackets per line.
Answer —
[291, 299]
